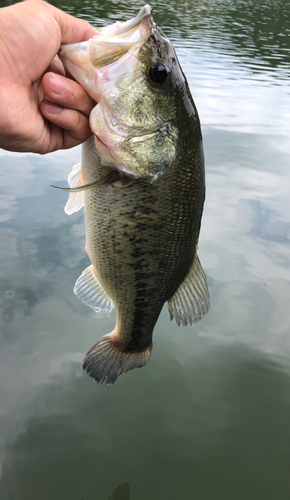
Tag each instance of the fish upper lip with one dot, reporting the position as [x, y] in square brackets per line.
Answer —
[126, 26]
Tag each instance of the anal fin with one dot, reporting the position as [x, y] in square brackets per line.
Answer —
[91, 292]
[190, 302]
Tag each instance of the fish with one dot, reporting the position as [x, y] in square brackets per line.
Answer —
[141, 181]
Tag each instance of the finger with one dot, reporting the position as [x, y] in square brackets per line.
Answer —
[67, 93]
[75, 125]
[56, 66]
[61, 139]
[72, 29]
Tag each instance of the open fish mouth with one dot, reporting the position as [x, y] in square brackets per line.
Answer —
[111, 43]
[131, 135]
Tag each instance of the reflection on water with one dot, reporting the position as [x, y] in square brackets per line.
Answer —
[208, 417]
[255, 33]
[222, 412]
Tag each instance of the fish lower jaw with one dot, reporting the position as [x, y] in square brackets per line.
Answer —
[106, 154]
[99, 141]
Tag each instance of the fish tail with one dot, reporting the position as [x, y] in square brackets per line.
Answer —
[108, 360]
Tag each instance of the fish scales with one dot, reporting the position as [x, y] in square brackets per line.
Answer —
[141, 229]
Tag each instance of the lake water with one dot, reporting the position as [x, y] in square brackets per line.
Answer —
[209, 417]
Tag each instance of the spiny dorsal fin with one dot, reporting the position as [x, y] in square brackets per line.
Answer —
[191, 300]
[90, 291]
[76, 200]
[105, 362]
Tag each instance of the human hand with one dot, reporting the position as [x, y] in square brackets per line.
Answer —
[30, 36]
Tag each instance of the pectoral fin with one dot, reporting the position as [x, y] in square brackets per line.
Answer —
[76, 200]
[191, 300]
[108, 179]
[77, 187]
[90, 291]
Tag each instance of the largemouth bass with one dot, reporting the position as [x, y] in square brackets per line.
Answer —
[141, 182]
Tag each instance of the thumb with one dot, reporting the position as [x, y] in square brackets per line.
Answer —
[73, 30]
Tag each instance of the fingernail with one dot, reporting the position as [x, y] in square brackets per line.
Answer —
[52, 108]
[58, 84]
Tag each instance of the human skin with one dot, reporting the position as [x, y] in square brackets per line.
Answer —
[41, 109]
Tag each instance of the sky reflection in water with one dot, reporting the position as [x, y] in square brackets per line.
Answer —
[208, 417]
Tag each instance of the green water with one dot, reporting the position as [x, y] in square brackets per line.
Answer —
[208, 417]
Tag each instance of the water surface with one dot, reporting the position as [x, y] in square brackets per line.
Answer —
[208, 417]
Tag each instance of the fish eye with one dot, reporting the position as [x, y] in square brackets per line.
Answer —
[157, 72]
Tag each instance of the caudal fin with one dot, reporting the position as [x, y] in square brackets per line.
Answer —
[105, 362]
